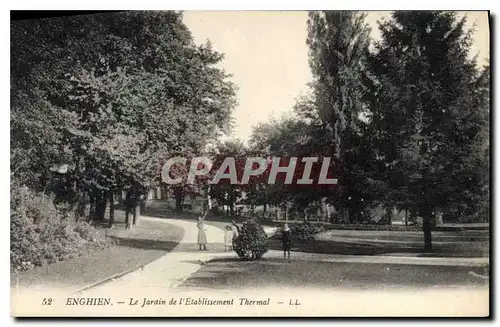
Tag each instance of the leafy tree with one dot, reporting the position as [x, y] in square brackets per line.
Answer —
[284, 138]
[428, 112]
[338, 47]
[225, 192]
[108, 95]
[338, 56]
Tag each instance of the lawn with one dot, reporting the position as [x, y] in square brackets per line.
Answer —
[140, 246]
[449, 243]
[230, 274]
[470, 249]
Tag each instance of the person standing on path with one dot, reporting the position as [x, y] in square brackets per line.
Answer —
[202, 236]
[286, 239]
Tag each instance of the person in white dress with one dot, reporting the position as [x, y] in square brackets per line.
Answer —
[202, 236]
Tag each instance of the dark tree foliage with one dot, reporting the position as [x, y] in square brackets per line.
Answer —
[429, 114]
[107, 96]
[338, 56]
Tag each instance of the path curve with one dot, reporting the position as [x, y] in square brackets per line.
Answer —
[172, 268]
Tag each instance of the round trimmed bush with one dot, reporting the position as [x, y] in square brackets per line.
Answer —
[251, 242]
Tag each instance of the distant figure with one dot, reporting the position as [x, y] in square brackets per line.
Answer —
[286, 238]
[202, 237]
[228, 238]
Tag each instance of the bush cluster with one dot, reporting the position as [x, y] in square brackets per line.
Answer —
[251, 242]
[307, 230]
[375, 227]
[41, 234]
[303, 231]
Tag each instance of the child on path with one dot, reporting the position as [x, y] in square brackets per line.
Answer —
[286, 238]
[202, 236]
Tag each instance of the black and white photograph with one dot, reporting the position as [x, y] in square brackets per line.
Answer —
[182, 163]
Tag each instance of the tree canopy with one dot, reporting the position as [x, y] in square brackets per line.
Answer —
[109, 95]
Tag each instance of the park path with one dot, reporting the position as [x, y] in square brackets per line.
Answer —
[174, 267]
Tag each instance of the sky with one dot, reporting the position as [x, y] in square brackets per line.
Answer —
[267, 55]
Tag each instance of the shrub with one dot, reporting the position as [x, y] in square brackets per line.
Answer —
[304, 231]
[40, 233]
[251, 242]
[374, 227]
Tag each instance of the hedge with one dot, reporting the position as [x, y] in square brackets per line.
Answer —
[41, 234]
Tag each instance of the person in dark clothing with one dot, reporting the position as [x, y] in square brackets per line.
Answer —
[286, 238]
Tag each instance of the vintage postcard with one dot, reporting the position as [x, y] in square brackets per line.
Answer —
[250, 164]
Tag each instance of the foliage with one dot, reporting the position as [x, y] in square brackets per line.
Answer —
[110, 95]
[338, 56]
[374, 227]
[428, 113]
[329, 121]
[41, 234]
[406, 119]
[288, 137]
[251, 242]
[338, 48]
[313, 229]
[96, 101]
[224, 192]
[304, 231]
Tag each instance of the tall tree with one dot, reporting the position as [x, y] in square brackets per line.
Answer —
[427, 112]
[338, 47]
[338, 56]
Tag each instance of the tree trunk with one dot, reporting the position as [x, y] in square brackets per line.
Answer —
[231, 209]
[425, 213]
[123, 196]
[390, 213]
[111, 209]
[80, 209]
[178, 201]
[92, 205]
[137, 214]
[406, 217]
[427, 234]
[336, 137]
[265, 208]
[100, 209]
[128, 221]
